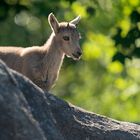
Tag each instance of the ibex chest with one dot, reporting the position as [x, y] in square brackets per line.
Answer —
[51, 69]
[48, 74]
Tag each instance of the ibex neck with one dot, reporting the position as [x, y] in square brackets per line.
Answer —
[54, 54]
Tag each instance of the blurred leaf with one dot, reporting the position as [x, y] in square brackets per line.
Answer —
[79, 9]
[120, 83]
[115, 67]
[134, 2]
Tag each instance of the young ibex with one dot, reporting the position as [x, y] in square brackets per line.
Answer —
[41, 64]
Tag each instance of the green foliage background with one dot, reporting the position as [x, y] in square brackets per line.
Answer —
[107, 78]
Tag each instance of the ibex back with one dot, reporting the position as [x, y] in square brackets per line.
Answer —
[41, 64]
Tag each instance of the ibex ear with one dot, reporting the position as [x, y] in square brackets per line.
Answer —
[76, 20]
[53, 22]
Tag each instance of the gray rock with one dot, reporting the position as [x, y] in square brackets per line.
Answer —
[27, 113]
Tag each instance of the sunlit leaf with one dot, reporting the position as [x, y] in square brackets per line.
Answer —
[125, 26]
[131, 91]
[120, 83]
[127, 10]
[79, 9]
[134, 2]
[115, 67]
[91, 51]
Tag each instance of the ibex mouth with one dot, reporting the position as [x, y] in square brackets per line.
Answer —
[76, 57]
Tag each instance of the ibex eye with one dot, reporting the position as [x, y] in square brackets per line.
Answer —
[66, 38]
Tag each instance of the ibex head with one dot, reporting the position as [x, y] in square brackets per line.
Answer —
[67, 36]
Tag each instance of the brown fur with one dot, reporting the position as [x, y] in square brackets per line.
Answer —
[42, 63]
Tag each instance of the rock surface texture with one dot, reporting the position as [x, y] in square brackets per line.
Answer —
[27, 113]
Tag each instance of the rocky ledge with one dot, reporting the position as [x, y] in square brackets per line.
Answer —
[27, 113]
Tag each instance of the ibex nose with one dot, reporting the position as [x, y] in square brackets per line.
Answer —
[79, 53]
